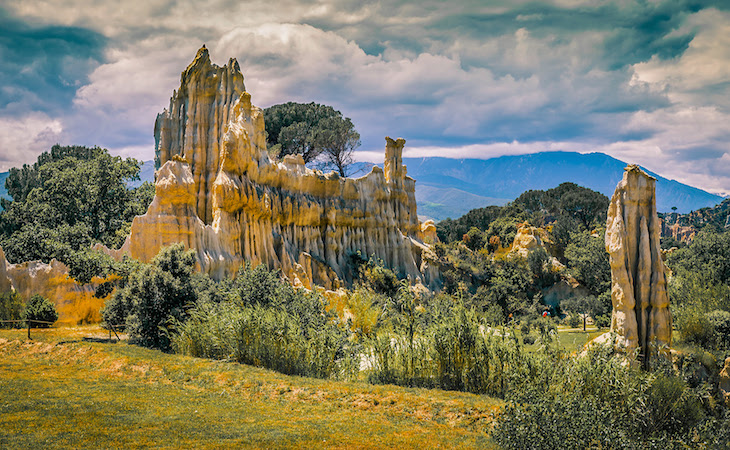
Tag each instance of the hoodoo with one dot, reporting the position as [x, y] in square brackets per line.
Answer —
[219, 192]
[641, 315]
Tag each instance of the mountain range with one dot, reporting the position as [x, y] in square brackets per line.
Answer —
[451, 187]
[448, 187]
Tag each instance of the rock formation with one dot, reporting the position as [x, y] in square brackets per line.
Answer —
[725, 381]
[528, 239]
[74, 302]
[641, 317]
[218, 191]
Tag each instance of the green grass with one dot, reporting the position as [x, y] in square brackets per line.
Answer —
[573, 340]
[68, 388]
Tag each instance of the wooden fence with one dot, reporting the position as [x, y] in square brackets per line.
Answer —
[30, 324]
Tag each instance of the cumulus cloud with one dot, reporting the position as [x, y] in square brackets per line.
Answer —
[646, 82]
[23, 138]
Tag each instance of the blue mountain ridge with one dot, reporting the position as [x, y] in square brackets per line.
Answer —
[448, 187]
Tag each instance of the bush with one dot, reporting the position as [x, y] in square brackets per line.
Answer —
[40, 309]
[720, 322]
[11, 308]
[594, 401]
[602, 321]
[267, 323]
[155, 295]
[456, 354]
[575, 321]
[264, 337]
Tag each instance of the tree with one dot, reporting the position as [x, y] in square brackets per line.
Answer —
[11, 306]
[39, 311]
[474, 239]
[156, 294]
[69, 199]
[586, 307]
[707, 257]
[293, 127]
[588, 261]
[313, 131]
[338, 140]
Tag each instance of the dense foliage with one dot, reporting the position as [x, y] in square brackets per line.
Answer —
[262, 320]
[700, 292]
[40, 312]
[567, 208]
[317, 132]
[11, 308]
[155, 295]
[71, 198]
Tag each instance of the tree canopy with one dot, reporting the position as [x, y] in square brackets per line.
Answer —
[71, 198]
[314, 131]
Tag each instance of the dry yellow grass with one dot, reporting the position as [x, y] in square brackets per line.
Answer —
[70, 389]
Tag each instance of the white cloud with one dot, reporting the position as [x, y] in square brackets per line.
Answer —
[701, 74]
[448, 91]
[22, 139]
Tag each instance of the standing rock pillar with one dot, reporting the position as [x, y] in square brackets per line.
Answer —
[640, 317]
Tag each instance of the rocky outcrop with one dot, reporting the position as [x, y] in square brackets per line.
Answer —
[725, 381]
[678, 232]
[5, 284]
[528, 239]
[641, 316]
[218, 191]
[74, 302]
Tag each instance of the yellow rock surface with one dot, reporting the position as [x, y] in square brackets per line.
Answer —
[641, 316]
[725, 381]
[74, 302]
[217, 191]
[528, 239]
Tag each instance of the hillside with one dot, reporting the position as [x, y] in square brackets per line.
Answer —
[506, 177]
[73, 388]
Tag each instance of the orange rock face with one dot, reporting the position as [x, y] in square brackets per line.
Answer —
[218, 192]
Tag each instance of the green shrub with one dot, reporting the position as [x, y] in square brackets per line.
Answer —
[457, 354]
[154, 296]
[11, 308]
[602, 321]
[40, 309]
[575, 321]
[720, 322]
[263, 321]
[595, 401]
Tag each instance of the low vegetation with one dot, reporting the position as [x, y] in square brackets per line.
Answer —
[72, 388]
[398, 365]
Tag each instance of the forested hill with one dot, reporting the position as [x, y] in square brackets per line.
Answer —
[507, 177]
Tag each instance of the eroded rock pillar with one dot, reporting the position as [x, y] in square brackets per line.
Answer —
[641, 316]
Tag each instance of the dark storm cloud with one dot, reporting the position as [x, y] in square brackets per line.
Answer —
[42, 67]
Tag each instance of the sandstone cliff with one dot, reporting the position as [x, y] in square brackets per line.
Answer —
[641, 315]
[218, 191]
[74, 302]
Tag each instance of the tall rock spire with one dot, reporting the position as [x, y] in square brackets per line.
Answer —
[218, 191]
[641, 316]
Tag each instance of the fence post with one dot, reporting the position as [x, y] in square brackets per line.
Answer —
[29, 338]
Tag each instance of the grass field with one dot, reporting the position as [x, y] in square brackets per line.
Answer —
[72, 388]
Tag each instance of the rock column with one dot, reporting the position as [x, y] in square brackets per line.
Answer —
[641, 316]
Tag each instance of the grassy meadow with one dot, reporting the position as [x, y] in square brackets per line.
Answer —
[73, 388]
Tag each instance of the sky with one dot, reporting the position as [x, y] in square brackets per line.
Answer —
[646, 82]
